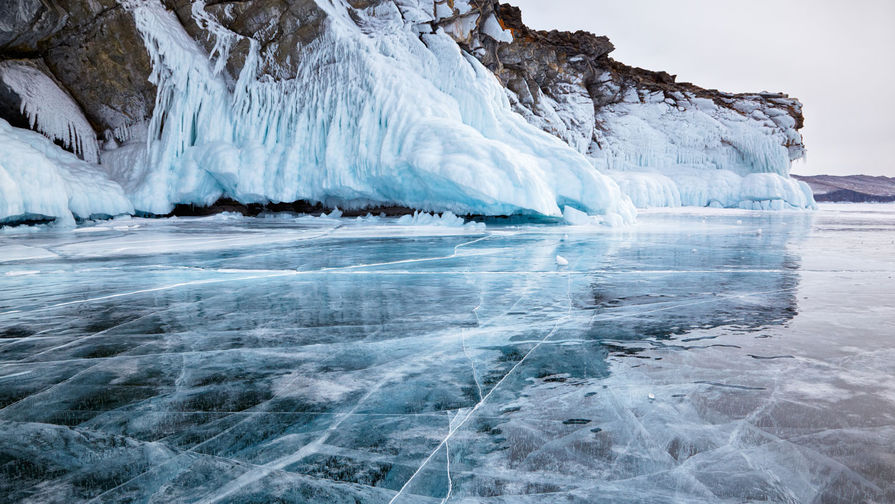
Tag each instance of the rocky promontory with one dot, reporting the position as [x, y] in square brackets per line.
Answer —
[128, 75]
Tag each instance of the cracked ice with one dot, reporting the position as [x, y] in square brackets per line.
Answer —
[688, 358]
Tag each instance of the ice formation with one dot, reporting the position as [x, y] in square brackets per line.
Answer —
[692, 186]
[660, 139]
[378, 113]
[40, 181]
[693, 152]
[394, 104]
[50, 110]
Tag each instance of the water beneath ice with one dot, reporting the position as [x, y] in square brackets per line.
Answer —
[696, 356]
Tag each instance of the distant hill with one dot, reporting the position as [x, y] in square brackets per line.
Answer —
[853, 188]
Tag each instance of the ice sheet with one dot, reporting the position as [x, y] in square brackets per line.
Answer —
[698, 356]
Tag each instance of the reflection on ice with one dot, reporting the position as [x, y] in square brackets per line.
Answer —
[689, 358]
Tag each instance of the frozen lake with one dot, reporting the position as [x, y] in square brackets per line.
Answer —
[697, 356]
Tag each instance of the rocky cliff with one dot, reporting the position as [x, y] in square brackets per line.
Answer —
[139, 80]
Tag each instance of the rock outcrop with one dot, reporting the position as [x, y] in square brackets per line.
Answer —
[93, 49]
[653, 135]
[657, 137]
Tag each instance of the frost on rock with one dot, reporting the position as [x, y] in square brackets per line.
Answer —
[376, 113]
[49, 109]
[694, 152]
[40, 181]
[661, 140]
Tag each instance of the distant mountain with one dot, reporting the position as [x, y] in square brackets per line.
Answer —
[853, 188]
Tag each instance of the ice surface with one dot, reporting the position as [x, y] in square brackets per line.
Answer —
[378, 114]
[687, 358]
[40, 181]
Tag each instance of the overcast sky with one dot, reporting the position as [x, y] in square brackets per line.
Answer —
[836, 56]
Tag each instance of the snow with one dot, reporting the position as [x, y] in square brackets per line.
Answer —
[373, 117]
[40, 181]
[50, 109]
[493, 29]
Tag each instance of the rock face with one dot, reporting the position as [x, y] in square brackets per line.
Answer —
[556, 71]
[93, 49]
[24, 24]
[654, 136]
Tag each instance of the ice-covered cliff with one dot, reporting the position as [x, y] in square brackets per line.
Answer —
[665, 143]
[436, 105]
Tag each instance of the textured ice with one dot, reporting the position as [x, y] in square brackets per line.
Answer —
[378, 114]
[50, 109]
[40, 181]
[386, 110]
[674, 149]
[697, 356]
[721, 188]
[694, 152]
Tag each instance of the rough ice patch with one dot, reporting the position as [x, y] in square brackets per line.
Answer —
[39, 180]
[447, 219]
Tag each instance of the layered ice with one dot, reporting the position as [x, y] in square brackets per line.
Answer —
[378, 113]
[39, 181]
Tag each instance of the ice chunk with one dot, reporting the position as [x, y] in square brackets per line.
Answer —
[447, 219]
[493, 29]
[40, 181]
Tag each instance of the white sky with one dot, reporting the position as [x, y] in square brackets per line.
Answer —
[836, 56]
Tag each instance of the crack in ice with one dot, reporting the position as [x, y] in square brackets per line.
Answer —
[471, 412]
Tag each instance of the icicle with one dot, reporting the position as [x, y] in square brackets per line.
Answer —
[372, 115]
[50, 110]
